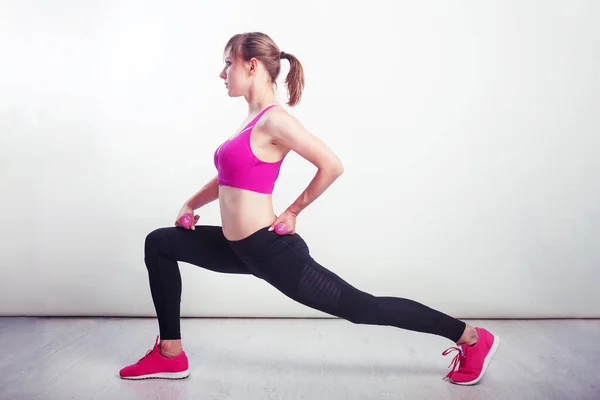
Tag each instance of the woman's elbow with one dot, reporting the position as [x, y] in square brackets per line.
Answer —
[331, 166]
[336, 168]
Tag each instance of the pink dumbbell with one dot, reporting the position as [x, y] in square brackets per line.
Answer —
[185, 220]
[281, 228]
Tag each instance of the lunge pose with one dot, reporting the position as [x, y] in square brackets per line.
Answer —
[248, 165]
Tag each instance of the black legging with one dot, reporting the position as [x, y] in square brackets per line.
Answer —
[285, 263]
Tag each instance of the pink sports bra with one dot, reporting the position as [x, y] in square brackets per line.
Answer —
[238, 167]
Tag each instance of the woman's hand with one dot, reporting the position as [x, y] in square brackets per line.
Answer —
[186, 209]
[289, 219]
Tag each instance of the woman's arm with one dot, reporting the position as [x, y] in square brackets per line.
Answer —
[288, 132]
[208, 193]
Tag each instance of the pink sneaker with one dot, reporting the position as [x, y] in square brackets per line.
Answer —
[473, 360]
[155, 365]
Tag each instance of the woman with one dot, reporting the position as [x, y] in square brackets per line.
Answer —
[248, 165]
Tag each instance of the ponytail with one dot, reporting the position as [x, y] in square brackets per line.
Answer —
[294, 80]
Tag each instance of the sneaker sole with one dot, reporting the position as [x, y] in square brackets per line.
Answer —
[161, 375]
[486, 363]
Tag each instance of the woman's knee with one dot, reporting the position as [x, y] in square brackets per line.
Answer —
[157, 241]
[359, 307]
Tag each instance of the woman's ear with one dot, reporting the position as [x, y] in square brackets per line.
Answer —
[253, 64]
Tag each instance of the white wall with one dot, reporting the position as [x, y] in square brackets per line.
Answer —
[469, 133]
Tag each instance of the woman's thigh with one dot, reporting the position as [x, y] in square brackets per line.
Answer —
[205, 247]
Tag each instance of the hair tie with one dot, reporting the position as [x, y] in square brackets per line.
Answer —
[282, 55]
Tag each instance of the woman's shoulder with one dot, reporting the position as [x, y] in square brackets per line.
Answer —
[277, 118]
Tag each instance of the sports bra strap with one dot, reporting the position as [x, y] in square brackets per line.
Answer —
[260, 114]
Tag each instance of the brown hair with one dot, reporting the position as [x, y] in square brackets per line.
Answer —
[260, 46]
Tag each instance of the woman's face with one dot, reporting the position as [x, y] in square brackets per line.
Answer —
[235, 75]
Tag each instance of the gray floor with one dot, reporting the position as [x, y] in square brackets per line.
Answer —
[51, 358]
